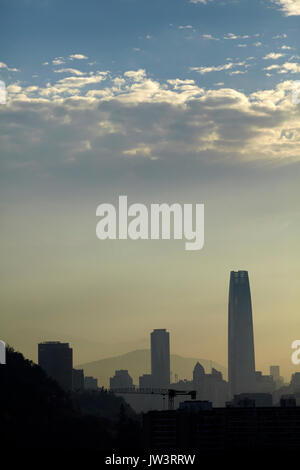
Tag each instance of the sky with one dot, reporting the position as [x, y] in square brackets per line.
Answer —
[163, 101]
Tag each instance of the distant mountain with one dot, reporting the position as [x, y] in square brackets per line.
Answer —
[139, 362]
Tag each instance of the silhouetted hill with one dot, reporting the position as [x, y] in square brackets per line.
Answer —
[36, 413]
[139, 362]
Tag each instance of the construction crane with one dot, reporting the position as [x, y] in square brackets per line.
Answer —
[169, 392]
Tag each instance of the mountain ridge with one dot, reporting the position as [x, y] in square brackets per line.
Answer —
[138, 362]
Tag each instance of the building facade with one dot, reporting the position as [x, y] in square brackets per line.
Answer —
[160, 358]
[121, 379]
[241, 362]
[78, 380]
[56, 359]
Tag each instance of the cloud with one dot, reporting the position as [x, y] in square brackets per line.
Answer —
[233, 36]
[287, 67]
[57, 61]
[290, 67]
[119, 123]
[142, 150]
[280, 36]
[69, 70]
[272, 67]
[237, 72]
[209, 37]
[77, 57]
[9, 69]
[273, 55]
[216, 68]
[136, 75]
[288, 7]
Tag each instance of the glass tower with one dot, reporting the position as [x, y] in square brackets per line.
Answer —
[160, 358]
[241, 362]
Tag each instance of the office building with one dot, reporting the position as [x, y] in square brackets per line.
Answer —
[222, 429]
[160, 358]
[78, 380]
[57, 361]
[145, 381]
[241, 363]
[90, 383]
[121, 379]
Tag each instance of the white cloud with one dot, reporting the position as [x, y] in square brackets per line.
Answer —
[142, 150]
[147, 119]
[289, 7]
[280, 36]
[10, 69]
[272, 67]
[77, 57]
[136, 75]
[287, 67]
[216, 68]
[273, 55]
[237, 72]
[290, 67]
[209, 37]
[231, 36]
[58, 61]
[69, 70]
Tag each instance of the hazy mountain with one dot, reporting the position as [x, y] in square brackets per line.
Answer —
[139, 362]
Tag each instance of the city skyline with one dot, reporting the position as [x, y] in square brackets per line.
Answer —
[243, 378]
[245, 386]
[233, 293]
[179, 102]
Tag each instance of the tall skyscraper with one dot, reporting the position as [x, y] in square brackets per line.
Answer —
[160, 358]
[57, 361]
[275, 373]
[241, 362]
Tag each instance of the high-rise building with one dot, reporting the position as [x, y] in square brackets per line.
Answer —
[145, 381]
[275, 372]
[78, 380]
[241, 362]
[90, 383]
[57, 361]
[160, 358]
[121, 379]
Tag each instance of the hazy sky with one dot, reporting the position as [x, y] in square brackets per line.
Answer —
[164, 101]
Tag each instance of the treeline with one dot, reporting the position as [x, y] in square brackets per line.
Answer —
[36, 413]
